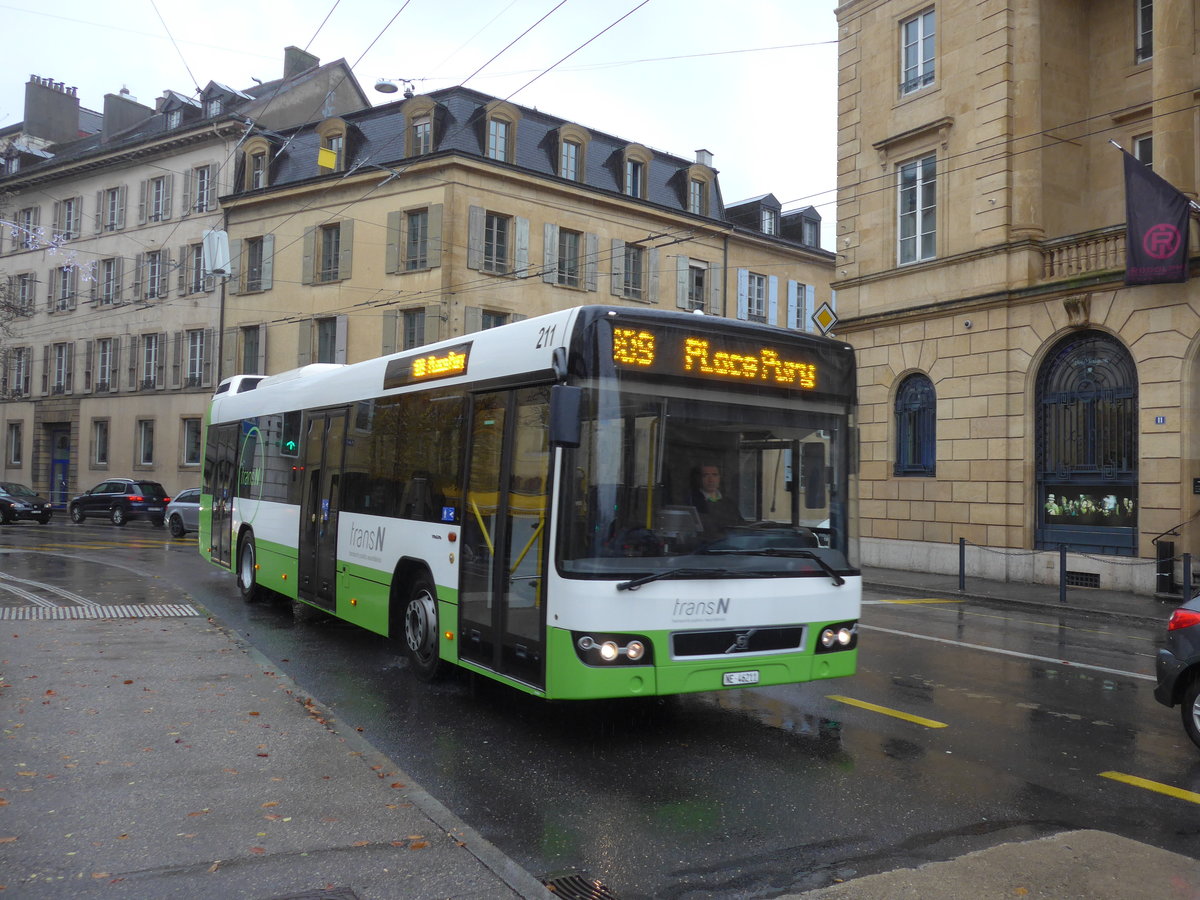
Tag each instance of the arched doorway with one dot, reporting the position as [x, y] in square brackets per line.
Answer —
[1087, 446]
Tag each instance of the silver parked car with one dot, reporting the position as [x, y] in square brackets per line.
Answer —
[1178, 667]
[183, 512]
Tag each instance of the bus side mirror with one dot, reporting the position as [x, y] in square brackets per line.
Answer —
[812, 467]
[566, 403]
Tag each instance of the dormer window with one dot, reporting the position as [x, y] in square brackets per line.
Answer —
[174, 118]
[421, 113]
[213, 106]
[331, 156]
[498, 138]
[770, 221]
[572, 149]
[422, 135]
[636, 166]
[256, 157]
[501, 131]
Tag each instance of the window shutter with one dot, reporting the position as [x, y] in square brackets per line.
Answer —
[304, 344]
[113, 375]
[46, 368]
[652, 275]
[88, 362]
[394, 237]
[433, 254]
[261, 362]
[99, 211]
[618, 267]
[810, 306]
[433, 323]
[52, 283]
[188, 181]
[93, 287]
[118, 266]
[340, 339]
[69, 380]
[346, 256]
[592, 248]
[206, 362]
[310, 248]
[229, 354]
[122, 196]
[74, 288]
[388, 347]
[142, 190]
[133, 362]
[139, 262]
[521, 247]
[472, 319]
[183, 282]
[549, 253]
[475, 221]
[772, 299]
[177, 360]
[743, 293]
[234, 283]
[160, 374]
[267, 277]
[168, 188]
[794, 304]
[58, 219]
[682, 268]
[164, 276]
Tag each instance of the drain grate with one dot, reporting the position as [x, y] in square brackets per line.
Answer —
[343, 893]
[1082, 579]
[574, 886]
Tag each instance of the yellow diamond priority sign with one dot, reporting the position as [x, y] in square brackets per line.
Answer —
[825, 318]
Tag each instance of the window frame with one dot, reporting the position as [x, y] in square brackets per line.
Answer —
[918, 68]
[1143, 31]
[145, 442]
[148, 365]
[923, 180]
[329, 252]
[14, 450]
[915, 412]
[189, 444]
[197, 349]
[416, 239]
[633, 273]
[497, 243]
[569, 265]
[100, 443]
[756, 297]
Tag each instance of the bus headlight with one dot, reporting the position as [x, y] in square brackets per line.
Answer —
[839, 636]
[612, 649]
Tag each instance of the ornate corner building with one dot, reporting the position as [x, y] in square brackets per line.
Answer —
[1015, 393]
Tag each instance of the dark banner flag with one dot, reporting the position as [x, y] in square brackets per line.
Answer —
[1156, 227]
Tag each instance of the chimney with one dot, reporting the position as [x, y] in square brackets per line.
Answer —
[704, 158]
[296, 61]
[51, 110]
[121, 112]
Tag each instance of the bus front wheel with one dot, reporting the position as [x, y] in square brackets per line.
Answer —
[247, 570]
[421, 631]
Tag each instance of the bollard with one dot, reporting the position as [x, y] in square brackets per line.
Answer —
[1187, 577]
[1062, 573]
[962, 564]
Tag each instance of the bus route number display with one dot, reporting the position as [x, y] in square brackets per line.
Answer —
[445, 363]
[697, 356]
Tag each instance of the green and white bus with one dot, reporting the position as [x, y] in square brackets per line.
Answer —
[524, 502]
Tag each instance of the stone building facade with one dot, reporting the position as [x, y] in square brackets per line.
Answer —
[1015, 392]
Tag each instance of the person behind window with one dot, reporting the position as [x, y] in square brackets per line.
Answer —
[717, 511]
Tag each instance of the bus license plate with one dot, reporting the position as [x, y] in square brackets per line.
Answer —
[730, 679]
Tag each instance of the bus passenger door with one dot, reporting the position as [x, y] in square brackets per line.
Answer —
[501, 598]
[224, 489]
[323, 447]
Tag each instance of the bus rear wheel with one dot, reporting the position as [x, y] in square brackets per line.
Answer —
[247, 569]
[421, 631]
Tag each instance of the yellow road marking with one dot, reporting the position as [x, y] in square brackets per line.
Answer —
[894, 713]
[1157, 787]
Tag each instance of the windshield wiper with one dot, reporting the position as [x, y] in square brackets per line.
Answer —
[634, 583]
[797, 552]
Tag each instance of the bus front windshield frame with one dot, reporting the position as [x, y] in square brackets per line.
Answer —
[672, 479]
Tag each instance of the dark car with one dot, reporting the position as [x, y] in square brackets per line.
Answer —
[122, 499]
[20, 502]
[183, 512]
[1178, 667]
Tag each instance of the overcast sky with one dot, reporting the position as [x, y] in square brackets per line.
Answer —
[752, 81]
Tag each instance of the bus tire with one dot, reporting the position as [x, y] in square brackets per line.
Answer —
[421, 639]
[247, 569]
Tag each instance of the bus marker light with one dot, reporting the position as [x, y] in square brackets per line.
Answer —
[354, 601]
[635, 650]
[452, 537]
[449, 635]
[609, 651]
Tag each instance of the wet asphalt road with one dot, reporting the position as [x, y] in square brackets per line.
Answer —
[959, 732]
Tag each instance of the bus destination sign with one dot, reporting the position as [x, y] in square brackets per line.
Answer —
[724, 358]
[445, 363]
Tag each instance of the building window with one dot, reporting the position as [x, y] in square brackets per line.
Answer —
[1143, 150]
[697, 195]
[145, 439]
[916, 52]
[105, 363]
[569, 245]
[1144, 41]
[191, 442]
[326, 340]
[212, 106]
[27, 230]
[253, 255]
[202, 182]
[62, 369]
[25, 293]
[422, 135]
[414, 328]
[918, 210]
[150, 359]
[13, 449]
[154, 275]
[258, 171]
[196, 269]
[633, 273]
[332, 152]
[160, 198]
[697, 286]
[416, 241]
[756, 297]
[634, 177]
[63, 296]
[251, 350]
[568, 160]
[195, 357]
[490, 319]
[495, 243]
[113, 216]
[174, 118]
[770, 221]
[100, 442]
[810, 233]
[330, 251]
[68, 218]
[499, 135]
[18, 384]
[916, 427]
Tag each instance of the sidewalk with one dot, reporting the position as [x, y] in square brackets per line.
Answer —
[160, 757]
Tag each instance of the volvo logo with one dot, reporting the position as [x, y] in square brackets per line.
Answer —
[741, 643]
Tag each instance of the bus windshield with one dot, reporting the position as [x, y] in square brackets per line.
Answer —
[668, 478]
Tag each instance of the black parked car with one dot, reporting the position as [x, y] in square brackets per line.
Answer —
[1178, 667]
[122, 499]
[20, 502]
